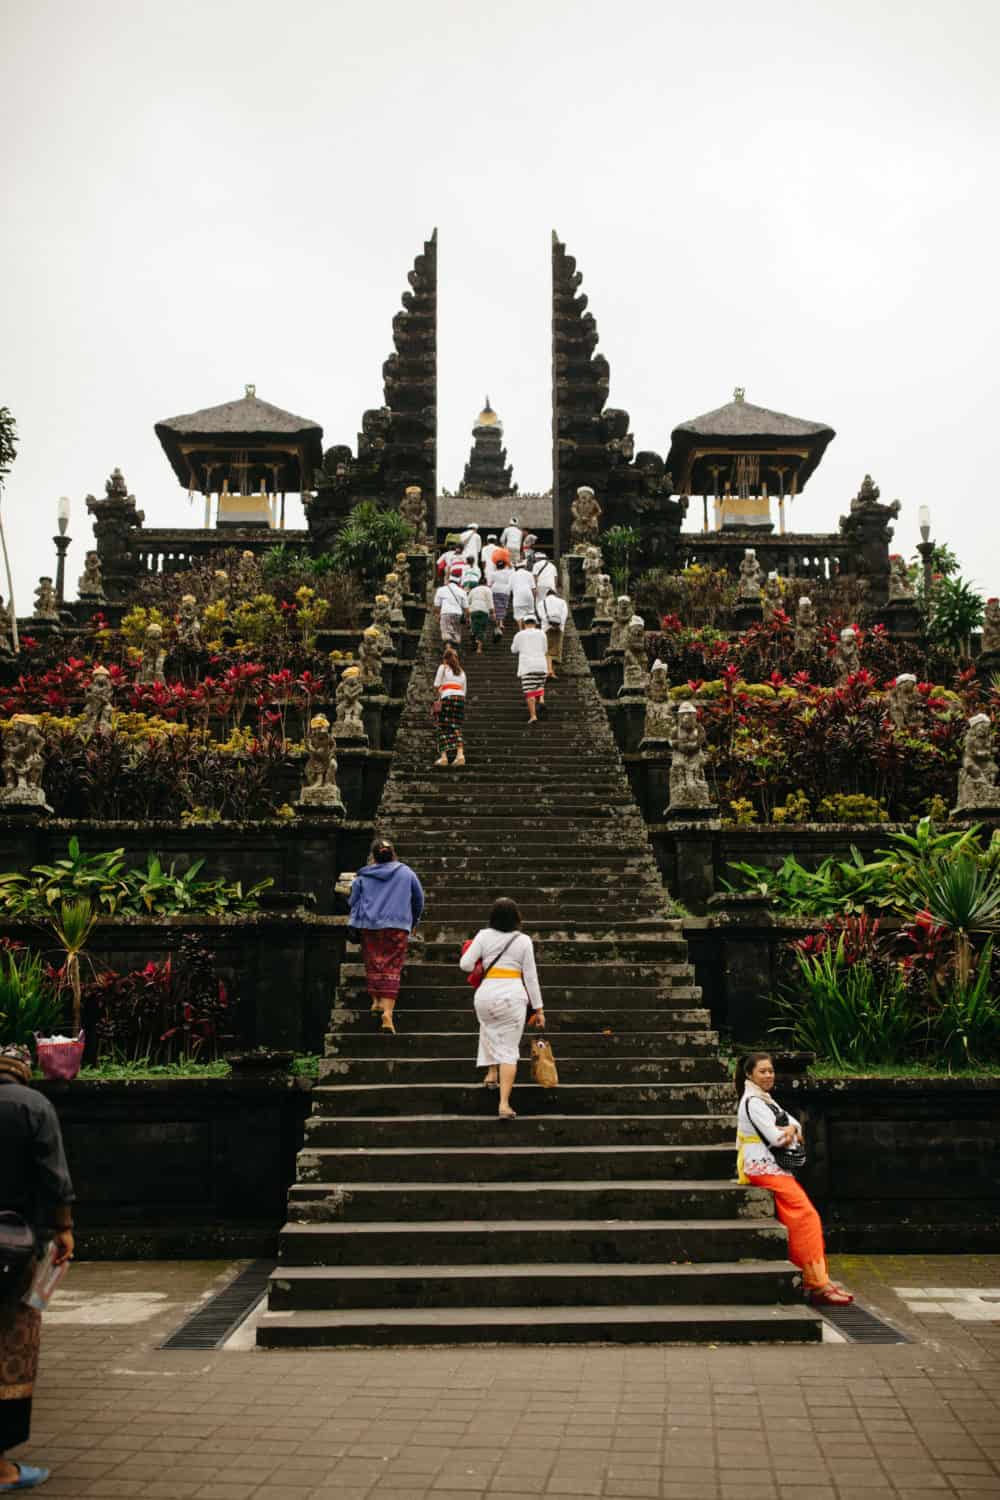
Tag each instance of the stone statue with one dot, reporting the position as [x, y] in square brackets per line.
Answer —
[845, 657]
[773, 598]
[414, 512]
[604, 602]
[593, 562]
[749, 589]
[688, 787]
[661, 710]
[319, 786]
[402, 568]
[23, 763]
[393, 589]
[248, 574]
[153, 655]
[219, 585]
[977, 779]
[635, 675]
[381, 611]
[620, 622]
[370, 659]
[991, 627]
[903, 703]
[349, 725]
[189, 623]
[900, 586]
[806, 626]
[90, 585]
[586, 512]
[46, 607]
[97, 704]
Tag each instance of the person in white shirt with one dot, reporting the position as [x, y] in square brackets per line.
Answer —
[503, 581]
[522, 591]
[452, 602]
[544, 573]
[481, 612]
[470, 575]
[553, 612]
[451, 689]
[509, 986]
[511, 537]
[532, 665]
[471, 543]
[450, 564]
[763, 1128]
[486, 557]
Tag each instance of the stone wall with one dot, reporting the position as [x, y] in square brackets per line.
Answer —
[189, 1168]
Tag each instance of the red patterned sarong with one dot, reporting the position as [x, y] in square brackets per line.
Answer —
[384, 953]
[20, 1328]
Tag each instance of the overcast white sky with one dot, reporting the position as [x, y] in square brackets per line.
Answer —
[797, 197]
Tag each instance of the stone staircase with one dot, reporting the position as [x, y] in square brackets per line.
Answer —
[607, 1210]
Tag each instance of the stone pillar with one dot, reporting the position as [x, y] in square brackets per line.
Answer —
[744, 924]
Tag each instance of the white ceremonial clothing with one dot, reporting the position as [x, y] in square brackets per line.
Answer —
[546, 578]
[553, 612]
[511, 537]
[523, 593]
[501, 1004]
[471, 542]
[756, 1121]
[451, 600]
[529, 648]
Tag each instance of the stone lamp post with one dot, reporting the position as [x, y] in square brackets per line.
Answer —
[62, 542]
[926, 548]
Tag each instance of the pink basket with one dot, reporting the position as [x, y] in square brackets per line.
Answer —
[60, 1060]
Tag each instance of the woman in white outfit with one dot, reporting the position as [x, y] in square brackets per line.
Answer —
[510, 985]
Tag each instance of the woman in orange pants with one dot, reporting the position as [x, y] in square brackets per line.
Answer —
[761, 1124]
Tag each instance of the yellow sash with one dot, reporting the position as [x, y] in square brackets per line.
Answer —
[743, 1141]
[504, 974]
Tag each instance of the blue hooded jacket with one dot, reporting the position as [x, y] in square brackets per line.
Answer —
[388, 895]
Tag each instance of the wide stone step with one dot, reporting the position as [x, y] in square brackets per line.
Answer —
[651, 1324]
[563, 1019]
[391, 1068]
[559, 976]
[369, 1042]
[530, 1131]
[488, 1164]
[421, 1202]
[471, 1242]
[561, 864]
[471, 1098]
[590, 912]
[519, 1285]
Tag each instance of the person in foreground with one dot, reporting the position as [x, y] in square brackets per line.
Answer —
[35, 1185]
[387, 901]
[510, 983]
[761, 1125]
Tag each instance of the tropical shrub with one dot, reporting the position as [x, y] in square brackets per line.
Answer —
[368, 542]
[28, 1002]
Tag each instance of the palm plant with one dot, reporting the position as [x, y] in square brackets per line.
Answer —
[967, 1023]
[619, 543]
[369, 540]
[72, 927]
[962, 896]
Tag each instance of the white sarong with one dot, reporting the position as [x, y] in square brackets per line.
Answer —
[501, 1009]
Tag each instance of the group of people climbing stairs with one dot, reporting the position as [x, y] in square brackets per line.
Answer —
[608, 1209]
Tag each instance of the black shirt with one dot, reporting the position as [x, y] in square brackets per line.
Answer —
[34, 1177]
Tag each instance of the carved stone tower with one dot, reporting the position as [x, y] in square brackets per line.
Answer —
[487, 474]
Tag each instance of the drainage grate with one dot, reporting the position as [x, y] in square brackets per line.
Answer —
[862, 1327]
[216, 1319]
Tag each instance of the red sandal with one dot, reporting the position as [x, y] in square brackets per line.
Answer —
[831, 1296]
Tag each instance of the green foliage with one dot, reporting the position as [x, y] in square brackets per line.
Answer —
[851, 1012]
[28, 1003]
[967, 1023]
[898, 880]
[743, 811]
[369, 540]
[956, 610]
[111, 889]
[72, 926]
[619, 544]
[852, 807]
[136, 1068]
[797, 809]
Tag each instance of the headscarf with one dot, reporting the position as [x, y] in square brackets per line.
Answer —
[16, 1062]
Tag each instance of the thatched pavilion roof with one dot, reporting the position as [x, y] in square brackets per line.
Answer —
[249, 426]
[740, 427]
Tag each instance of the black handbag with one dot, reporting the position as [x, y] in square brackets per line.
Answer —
[17, 1253]
[789, 1158]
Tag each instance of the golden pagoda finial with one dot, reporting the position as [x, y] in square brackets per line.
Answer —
[739, 393]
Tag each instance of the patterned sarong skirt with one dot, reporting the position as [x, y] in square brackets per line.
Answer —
[384, 952]
[20, 1330]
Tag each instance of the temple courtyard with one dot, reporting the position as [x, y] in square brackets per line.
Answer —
[117, 1416]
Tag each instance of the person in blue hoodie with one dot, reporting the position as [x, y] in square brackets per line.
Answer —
[387, 901]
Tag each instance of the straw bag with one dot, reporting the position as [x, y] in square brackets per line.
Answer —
[543, 1065]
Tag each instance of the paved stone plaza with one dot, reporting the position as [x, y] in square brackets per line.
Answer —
[117, 1417]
